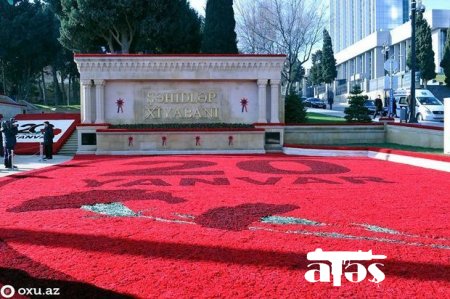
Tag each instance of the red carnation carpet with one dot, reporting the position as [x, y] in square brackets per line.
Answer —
[223, 226]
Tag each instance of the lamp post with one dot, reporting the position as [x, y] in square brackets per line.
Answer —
[389, 66]
[412, 104]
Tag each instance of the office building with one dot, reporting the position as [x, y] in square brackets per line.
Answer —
[361, 29]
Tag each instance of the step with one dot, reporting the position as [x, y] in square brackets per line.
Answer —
[70, 147]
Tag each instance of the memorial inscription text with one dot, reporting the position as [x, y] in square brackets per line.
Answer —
[182, 105]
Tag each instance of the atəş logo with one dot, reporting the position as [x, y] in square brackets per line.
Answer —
[339, 259]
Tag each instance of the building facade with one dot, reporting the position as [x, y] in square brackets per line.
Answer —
[361, 29]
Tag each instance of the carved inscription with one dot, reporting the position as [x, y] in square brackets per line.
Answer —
[182, 105]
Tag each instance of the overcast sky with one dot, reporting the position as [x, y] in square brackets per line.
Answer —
[436, 4]
[200, 5]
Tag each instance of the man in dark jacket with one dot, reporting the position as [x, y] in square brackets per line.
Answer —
[9, 132]
[48, 140]
[330, 99]
[378, 107]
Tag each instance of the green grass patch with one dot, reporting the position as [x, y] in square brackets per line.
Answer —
[318, 118]
[59, 108]
[401, 147]
[440, 78]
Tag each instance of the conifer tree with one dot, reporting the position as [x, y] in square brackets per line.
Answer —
[295, 110]
[328, 62]
[315, 73]
[445, 63]
[424, 50]
[425, 57]
[219, 36]
[356, 112]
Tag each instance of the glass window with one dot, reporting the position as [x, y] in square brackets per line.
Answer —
[429, 101]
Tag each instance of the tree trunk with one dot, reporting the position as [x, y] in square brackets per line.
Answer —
[125, 42]
[41, 91]
[24, 86]
[110, 45]
[63, 89]
[57, 94]
[75, 90]
[3, 78]
[69, 87]
[44, 88]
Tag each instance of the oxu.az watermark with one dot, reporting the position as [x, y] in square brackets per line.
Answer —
[8, 291]
[353, 272]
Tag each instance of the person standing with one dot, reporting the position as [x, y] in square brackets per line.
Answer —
[48, 140]
[330, 99]
[394, 108]
[9, 132]
[378, 107]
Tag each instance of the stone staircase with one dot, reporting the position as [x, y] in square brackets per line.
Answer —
[70, 147]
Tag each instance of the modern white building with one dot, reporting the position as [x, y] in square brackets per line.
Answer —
[360, 29]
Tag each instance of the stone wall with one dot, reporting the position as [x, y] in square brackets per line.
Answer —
[415, 136]
[334, 135]
[181, 141]
[181, 102]
[405, 134]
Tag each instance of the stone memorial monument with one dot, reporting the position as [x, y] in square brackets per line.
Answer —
[124, 98]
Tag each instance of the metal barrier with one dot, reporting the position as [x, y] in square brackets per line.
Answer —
[41, 151]
[13, 167]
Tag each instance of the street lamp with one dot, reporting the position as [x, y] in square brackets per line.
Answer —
[412, 104]
[389, 66]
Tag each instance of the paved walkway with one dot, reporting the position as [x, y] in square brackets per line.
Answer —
[30, 162]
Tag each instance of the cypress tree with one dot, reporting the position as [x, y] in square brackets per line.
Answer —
[445, 63]
[424, 50]
[219, 36]
[425, 54]
[315, 73]
[328, 62]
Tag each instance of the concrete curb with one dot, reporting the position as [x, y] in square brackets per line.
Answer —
[390, 157]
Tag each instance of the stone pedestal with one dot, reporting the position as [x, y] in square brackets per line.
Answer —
[164, 142]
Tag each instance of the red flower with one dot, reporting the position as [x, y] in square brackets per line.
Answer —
[244, 103]
[120, 102]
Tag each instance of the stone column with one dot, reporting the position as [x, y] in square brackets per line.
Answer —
[86, 101]
[100, 101]
[262, 89]
[274, 101]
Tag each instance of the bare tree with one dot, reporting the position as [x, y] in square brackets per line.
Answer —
[291, 27]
